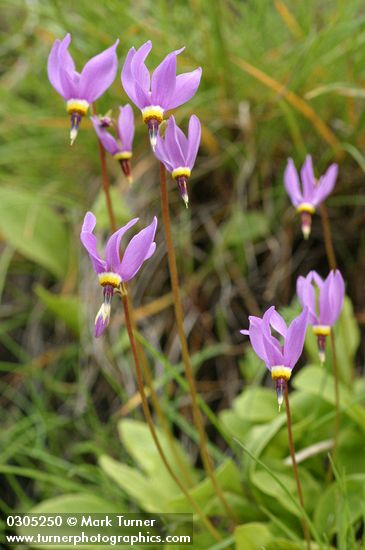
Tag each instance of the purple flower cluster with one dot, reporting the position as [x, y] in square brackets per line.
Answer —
[154, 94]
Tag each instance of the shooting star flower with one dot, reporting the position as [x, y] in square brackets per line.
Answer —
[80, 89]
[157, 94]
[178, 152]
[280, 357]
[113, 271]
[313, 192]
[324, 306]
[121, 147]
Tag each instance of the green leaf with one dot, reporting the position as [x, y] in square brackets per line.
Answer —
[34, 229]
[319, 382]
[256, 405]
[252, 536]
[330, 506]
[66, 308]
[150, 495]
[137, 439]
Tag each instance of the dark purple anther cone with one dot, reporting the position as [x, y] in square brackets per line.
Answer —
[127, 169]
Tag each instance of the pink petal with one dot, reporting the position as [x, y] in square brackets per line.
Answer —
[138, 250]
[164, 79]
[60, 57]
[291, 182]
[139, 71]
[308, 180]
[126, 127]
[294, 341]
[326, 184]
[127, 77]
[88, 239]
[307, 296]
[172, 145]
[161, 153]
[112, 248]
[108, 141]
[98, 74]
[194, 141]
[185, 88]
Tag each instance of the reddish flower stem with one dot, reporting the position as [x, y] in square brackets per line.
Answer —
[148, 416]
[183, 343]
[295, 466]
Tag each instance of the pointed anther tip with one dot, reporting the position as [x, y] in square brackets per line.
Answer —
[322, 357]
[306, 232]
[130, 180]
[73, 136]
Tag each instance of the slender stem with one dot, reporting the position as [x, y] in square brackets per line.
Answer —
[295, 466]
[154, 398]
[184, 346]
[328, 243]
[149, 419]
[148, 374]
[337, 390]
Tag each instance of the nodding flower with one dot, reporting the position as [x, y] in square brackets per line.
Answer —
[178, 152]
[121, 147]
[80, 89]
[313, 191]
[324, 306]
[280, 357]
[156, 94]
[113, 271]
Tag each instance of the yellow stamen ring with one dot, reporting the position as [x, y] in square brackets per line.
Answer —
[306, 207]
[321, 330]
[79, 106]
[181, 172]
[152, 112]
[123, 155]
[110, 279]
[280, 371]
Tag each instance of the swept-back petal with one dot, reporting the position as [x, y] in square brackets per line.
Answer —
[172, 145]
[307, 296]
[138, 250]
[294, 341]
[308, 180]
[185, 88]
[143, 98]
[291, 182]
[164, 80]
[255, 334]
[126, 127]
[60, 57]
[274, 355]
[98, 74]
[325, 185]
[112, 248]
[108, 141]
[139, 71]
[161, 153]
[193, 141]
[331, 298]
[278, 323]
[127, 76]
[88, 239]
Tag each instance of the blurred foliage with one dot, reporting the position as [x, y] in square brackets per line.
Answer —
[279, 79]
